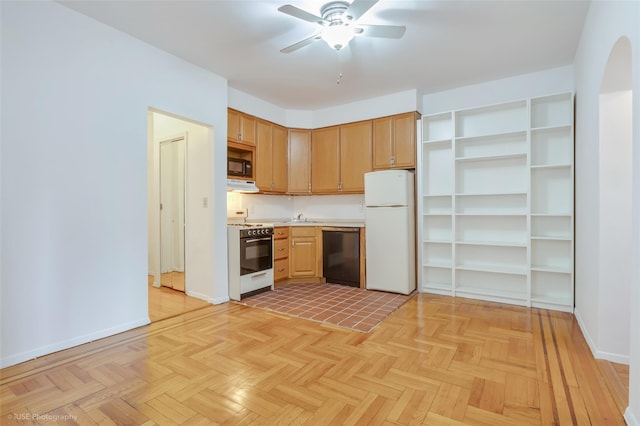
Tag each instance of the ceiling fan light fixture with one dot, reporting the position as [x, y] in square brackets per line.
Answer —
[337, 36]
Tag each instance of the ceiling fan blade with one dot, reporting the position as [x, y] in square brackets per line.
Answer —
[384, 31]
[301, 14]
[357, 9]
[302, 43]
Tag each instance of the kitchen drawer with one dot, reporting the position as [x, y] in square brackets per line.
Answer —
[280, 269]
[280, 232]
[280, 249]
[303, 231]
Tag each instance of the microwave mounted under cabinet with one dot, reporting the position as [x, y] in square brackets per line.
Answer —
[239, 167]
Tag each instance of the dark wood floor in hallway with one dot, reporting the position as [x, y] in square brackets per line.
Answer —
[436, 360]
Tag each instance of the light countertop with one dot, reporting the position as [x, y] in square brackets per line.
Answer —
[354, 223]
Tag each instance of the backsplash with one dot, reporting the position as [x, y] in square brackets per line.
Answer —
[285, 206]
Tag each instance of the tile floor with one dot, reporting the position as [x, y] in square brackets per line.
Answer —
[349, 307]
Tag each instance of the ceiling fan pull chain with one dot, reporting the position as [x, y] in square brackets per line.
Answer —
[339, 79]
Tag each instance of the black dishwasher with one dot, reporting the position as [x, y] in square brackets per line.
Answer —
[341, 255]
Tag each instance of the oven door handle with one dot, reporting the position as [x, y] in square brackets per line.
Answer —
[253, 240]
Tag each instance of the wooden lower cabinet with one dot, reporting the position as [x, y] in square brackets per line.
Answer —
[280, 253]
[305, 255]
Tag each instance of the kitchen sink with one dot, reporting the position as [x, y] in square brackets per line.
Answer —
[301, 221]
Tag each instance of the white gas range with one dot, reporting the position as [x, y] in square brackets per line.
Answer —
[250, 253]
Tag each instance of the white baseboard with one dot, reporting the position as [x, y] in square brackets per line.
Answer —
[69, 343]
[585, 332]
[597, 353]
[631, 418]
[220, 300]
[212, 300]
[198, 295]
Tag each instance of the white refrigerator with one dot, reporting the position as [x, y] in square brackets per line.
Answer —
[390, 231]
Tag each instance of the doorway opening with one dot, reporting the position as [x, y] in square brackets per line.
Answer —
[616, 220]
[179, 184]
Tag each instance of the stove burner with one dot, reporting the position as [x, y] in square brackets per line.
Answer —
[251, 225]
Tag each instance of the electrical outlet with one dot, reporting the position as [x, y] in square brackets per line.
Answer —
[205, 202]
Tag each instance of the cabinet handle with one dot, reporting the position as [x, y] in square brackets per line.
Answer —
[309, 186]
[240, 137]
[281, 270]
[281, 249]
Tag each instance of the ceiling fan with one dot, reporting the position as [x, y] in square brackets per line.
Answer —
[338, 22]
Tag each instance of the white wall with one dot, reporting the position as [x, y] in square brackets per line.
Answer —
[283, 207]
[199, 177]
[556, 80]
[381, 106]
[75, 96]
[616, 221]
[606, 22]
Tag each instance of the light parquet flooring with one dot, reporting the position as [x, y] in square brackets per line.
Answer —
[436, 361]
[165, 302]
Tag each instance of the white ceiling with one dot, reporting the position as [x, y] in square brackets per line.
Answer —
[447, 44]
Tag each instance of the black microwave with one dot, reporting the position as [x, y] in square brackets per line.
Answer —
[238, 167]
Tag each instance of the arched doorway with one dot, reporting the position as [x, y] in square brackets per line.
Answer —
[615, 193]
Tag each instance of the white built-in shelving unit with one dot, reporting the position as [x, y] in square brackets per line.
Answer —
[497, 201]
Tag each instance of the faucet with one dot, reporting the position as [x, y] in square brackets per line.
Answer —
[300, 217]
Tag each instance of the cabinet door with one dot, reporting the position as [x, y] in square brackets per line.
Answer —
[355, 155]
[299, 165]
[233, 125]
[279, 158]
[325, 160]
[280, 269]
[303, 257]
[263, 158]
[404, 140]
[280, 248]
[382, 142]
[247, 129]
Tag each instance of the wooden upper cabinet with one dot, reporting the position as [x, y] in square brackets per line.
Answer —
[355, 155]
[241, 128]
[341, 155]
[264, 148]
[299, 164]
[404, 140]
[325, 160]
[329, 160]
[271, 157]
[279, 170]
[394, 141]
